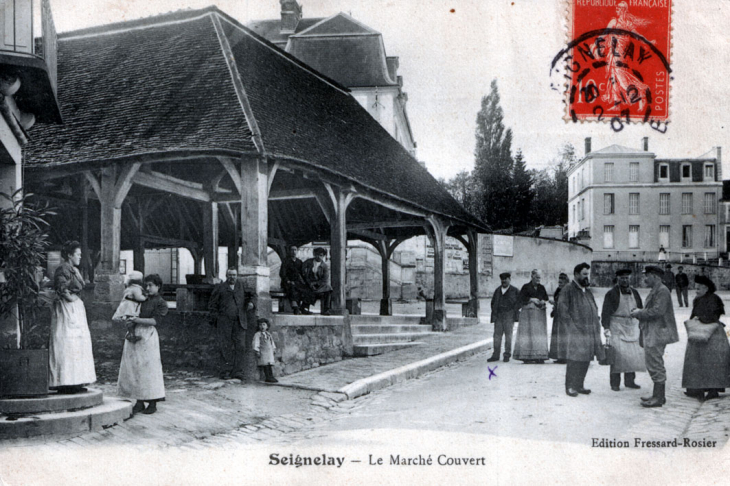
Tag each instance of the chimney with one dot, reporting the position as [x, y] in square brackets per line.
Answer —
[291, 14]
[588, 145]
[719, 163]
[645, 143]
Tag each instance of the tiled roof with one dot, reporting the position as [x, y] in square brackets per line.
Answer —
[339, 24]
[166, 88]
[271, 29]
[617, 149]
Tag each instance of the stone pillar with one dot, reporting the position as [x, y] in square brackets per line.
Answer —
[109, 284]
[210, 240]
[254, 269]
[437, 235]
[473, 250]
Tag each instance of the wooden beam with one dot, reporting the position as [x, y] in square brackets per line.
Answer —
[170, 242]
[232, 171]
[124, 182]
[385, 224]
[172, 185]
[286, 194]
[273, 168]
[369, 234]
[94, 182]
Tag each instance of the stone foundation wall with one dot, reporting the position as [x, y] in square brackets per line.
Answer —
[304, 342]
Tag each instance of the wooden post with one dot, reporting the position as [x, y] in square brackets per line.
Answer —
[210, 240]
[385, 249]
[437, 235]
[472, 246]
[139, 242]
[86, 269]
[340, 199]
[254, 269]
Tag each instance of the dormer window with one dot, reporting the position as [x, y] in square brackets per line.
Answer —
[709, 172]
[663, 172]
[686, 172]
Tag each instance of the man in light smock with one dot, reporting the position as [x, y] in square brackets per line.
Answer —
[622, 331]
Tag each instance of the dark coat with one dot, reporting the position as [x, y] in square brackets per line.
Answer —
[682, 280]
[318, 281]
[507, 303]
[610, 304]
[656, 320]
[707, 365]
[579, 313]
[230, 304]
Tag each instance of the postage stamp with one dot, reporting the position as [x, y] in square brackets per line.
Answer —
[616, 65]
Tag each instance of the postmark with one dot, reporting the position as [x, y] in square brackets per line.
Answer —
[616, 66]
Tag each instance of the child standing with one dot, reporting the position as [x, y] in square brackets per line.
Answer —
[129, 306]
[263, 345]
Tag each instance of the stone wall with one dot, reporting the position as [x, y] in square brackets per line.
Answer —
[304, 342]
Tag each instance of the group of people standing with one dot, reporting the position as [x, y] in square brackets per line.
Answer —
[637, 332]
[71, 360]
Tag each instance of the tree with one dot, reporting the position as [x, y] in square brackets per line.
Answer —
[463, 188]
[494, 164]
[524, 193]
[550, 205]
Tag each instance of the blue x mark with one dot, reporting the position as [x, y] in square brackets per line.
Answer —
[491, 372]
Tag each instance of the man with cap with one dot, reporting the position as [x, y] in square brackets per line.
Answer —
[505, 312]
[658, 328]
[622, 331]
[682, 282]
[579, 314]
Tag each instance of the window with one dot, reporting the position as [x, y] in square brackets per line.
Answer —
[608, 172]
[634, 203]
[710, 236]
[687, 236]
[634, 171]
[664, 172]
[633, 236]
[664, 203]
[709, 172]
[664, 236]
[574, 213]
[686, 203]
[686, 171]
[608, 236]
[608, 204]
[710, 206]
[582, 178]
[583, 208]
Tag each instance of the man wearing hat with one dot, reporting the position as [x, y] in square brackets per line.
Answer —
[658, 328]
[622, 330]
[579, 314]
[316, 274]
[505, 312]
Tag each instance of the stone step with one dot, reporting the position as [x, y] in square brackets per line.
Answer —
[111, 411]
[376, 319]
[53, 402]
[358, 329]
[388, 338]
[363, 350]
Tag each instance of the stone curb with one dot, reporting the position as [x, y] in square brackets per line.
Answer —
[413, 370]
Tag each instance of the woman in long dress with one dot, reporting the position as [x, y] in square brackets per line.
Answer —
[70, 357]
[140, 374]
[532, 340]
[558, 338]
[707, 365]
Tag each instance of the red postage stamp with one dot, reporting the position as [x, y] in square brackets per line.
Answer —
[616, 67]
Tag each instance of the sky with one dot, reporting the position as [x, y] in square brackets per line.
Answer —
[451, 50]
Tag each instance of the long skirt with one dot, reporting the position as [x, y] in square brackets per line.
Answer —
[140, 374]
[70, 358]
[629, 356]
[532, 341]
[558, 340]
[707, 365]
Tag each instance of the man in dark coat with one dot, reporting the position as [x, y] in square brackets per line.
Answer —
[292, 280]
[505, 312]
[623, 331]
[658, 328]
[317, 276]
[682, 282]
[227, 307]
[579, 313]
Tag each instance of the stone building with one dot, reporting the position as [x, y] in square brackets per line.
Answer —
[350, 53]
[627, 204]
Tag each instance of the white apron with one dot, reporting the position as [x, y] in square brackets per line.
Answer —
[625, 338]
[70, 359]
[140, 374]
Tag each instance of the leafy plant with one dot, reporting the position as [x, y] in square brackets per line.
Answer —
[23, 243]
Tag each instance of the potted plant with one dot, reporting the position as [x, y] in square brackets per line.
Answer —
[23, 243]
